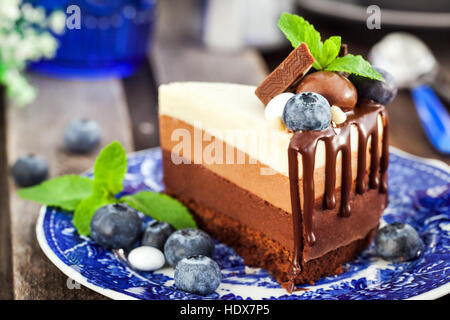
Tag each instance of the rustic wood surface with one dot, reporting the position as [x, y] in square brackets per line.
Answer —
[6, 281]
[39, 129]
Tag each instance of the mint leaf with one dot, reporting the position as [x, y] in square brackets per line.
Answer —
[109, 172]
[298, 30]
[110, 168]
[355, 65]
[87, 208]
[330, 50]
[161, 207]
[64, 192]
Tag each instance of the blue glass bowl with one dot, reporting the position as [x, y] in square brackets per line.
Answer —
[113, 40]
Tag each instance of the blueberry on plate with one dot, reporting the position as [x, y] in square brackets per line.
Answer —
[398, 242]
[156, 234]
[197, 274]
[187, 242]
[29, 171]
[116, 226]
[82, 136]
[307, 111]
[379, 91]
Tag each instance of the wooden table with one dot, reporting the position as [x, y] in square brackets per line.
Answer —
[127, 111]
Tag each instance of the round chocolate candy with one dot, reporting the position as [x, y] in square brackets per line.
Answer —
[338, 90]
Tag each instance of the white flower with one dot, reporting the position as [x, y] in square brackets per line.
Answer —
[25, 37]
[11, 40]
[6, 24]
[47, 45]
[9, 9]
[26, 95]
[34, 15]
[18, 87]
[26, 50]
[57, 22]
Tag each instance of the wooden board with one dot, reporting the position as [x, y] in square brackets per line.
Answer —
[39, 129]
[195, 63]
[6, 288]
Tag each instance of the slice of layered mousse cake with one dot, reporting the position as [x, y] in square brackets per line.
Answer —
[294, 177]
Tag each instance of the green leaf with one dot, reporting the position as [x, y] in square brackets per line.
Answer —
[65, 192]
[330, 50]
[110, 168]
[87, 208]
[161, 207]
[355, 65]
[298, 30]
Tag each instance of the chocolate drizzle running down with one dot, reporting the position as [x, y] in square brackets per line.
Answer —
[365, 118]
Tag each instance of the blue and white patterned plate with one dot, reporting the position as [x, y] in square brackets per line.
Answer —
[419, 195]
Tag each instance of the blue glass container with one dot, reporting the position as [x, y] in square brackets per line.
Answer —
[113, 39]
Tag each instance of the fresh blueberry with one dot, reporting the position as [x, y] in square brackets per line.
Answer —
[197, 274]
[187, 242]
[156, 234]
[307, 111]
[29, 171]
[82, 136]
[116, 226]
[379, 91]
[398, 242]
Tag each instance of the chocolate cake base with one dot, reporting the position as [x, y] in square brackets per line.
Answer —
[257, 250]
[239, 219]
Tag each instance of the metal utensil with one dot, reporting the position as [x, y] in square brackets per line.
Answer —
[414, 67]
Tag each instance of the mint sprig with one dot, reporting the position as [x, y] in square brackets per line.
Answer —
[65, 192]
[298, 30]
[161, 207]
[109, 171]
[87, 208]
[110, 168]
[356, 64]
[85, 196]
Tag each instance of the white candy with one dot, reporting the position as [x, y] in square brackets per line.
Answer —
[275, 107]
[337, 115]
[146, 258]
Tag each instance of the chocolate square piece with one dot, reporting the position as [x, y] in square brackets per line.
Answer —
[292, 69]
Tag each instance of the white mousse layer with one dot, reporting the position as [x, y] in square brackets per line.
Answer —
[233, 113]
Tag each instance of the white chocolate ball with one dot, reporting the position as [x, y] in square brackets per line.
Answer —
[146, 258]
[275, 107]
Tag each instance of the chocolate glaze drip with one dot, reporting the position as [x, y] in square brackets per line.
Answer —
[365, 117]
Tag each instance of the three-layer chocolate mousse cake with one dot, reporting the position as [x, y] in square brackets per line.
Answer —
[291, 174]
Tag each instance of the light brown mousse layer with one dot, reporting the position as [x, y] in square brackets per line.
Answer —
[275, 218]
[251, 175]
